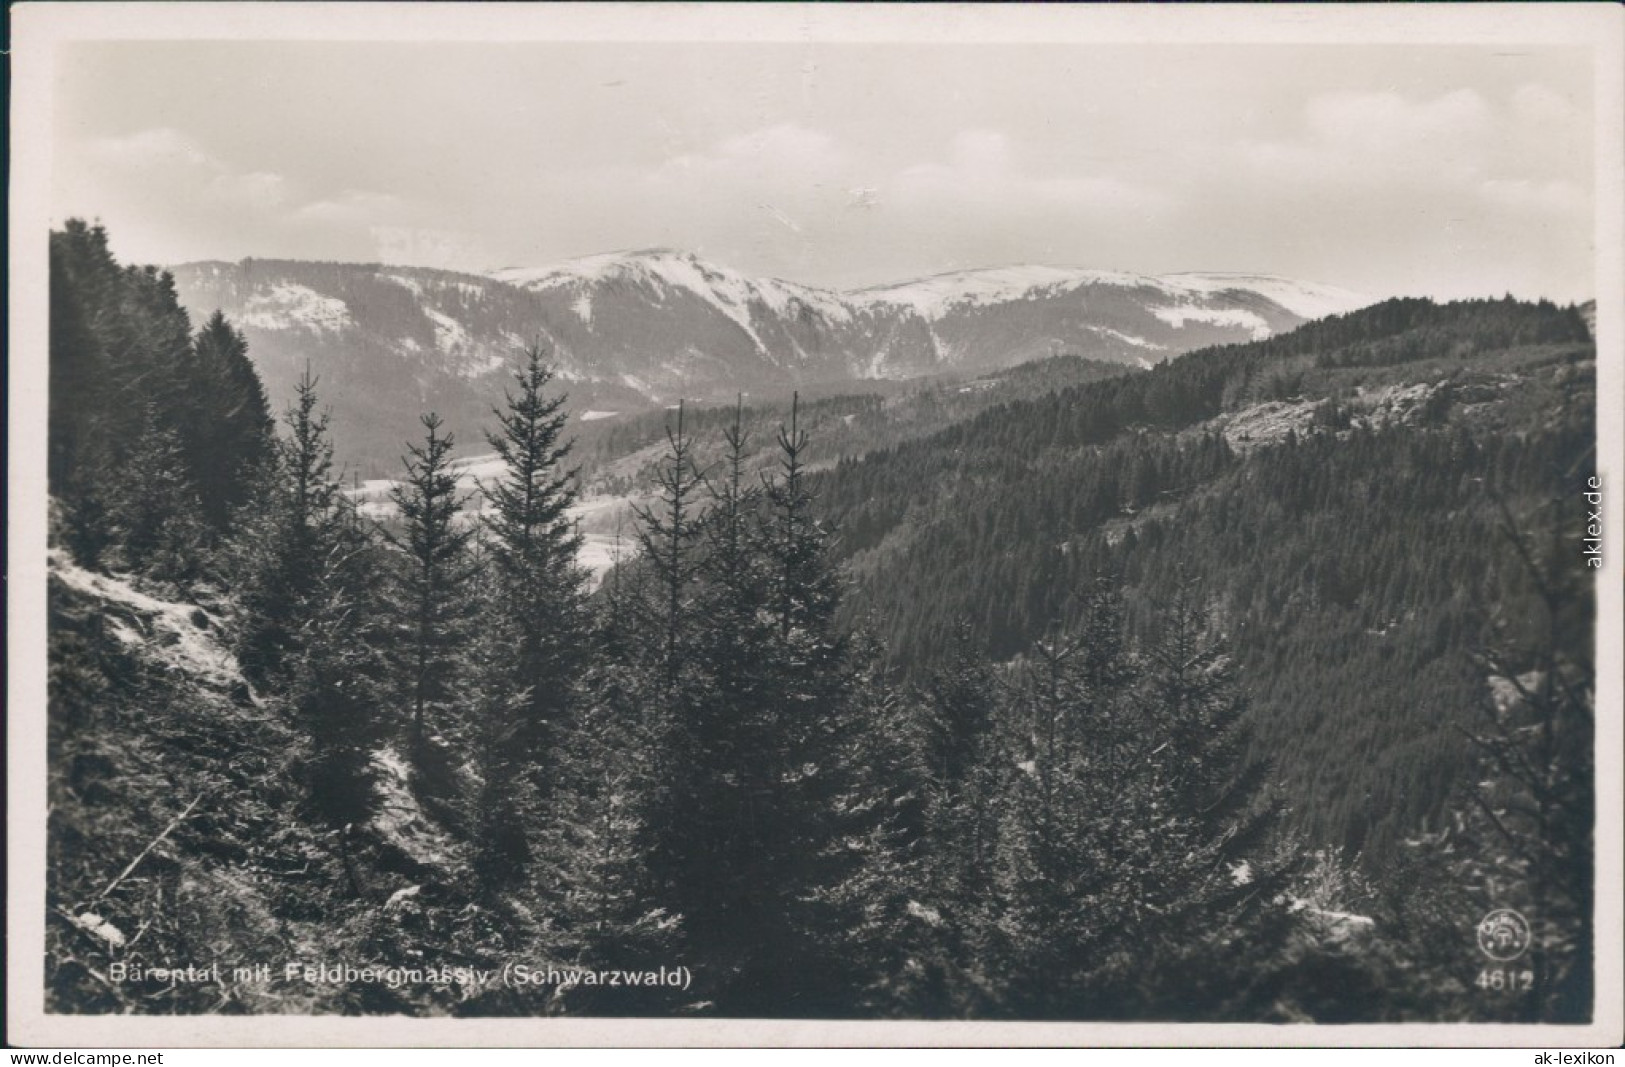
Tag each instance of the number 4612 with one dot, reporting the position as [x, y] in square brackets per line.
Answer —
[1511, 981]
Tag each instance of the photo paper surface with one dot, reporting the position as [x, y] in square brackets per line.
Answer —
[899, 524]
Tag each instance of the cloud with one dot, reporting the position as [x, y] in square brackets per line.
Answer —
[161, 146]
[773, 153]
[1539, 104]
[160, 180]
[1455, 149]
[983, 176]
[1555, 197]
[1381, 138]
[167, 158]
[352, 207]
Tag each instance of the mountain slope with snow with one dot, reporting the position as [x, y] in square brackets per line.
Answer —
[630, 330]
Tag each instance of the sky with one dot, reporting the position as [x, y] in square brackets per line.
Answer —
[1441, 170]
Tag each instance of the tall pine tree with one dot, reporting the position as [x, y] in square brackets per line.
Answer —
[534, 546]
[430, 593]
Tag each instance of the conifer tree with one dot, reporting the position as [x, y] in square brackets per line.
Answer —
[1133, 843]
[669, 535]
[807, 768]
[228, 431]
[336, 674]
[961, 768]
[504, 805]
[286, 548]
[154, 512]
[1523, 828]
[960, 709]
[534, 547]
[309, 578]
[1213, 823]
[723, 719]
[76, 376]
[1059, 897]
[431, 588]
[596, 842]
[657, 625]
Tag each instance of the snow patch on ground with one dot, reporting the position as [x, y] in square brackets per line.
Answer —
[664, 271]
[1309, 300]
[1127, 338]
[1179, 314]
[1334, 925]
[449, 334]
[583, 307]
[418, 287]
[401, 821]
[411, 285]
[594, 516]
[166, 629]
[286, 305]
[934, 297]
[594, 416]
[479, 366]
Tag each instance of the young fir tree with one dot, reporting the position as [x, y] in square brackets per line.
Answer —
[652, 622]
[960, 708]
[228, 431]
[77, 371]
[607, 905]
[153, 511]
[719, 724]
[669, 536]
[308, 576]
[534, 546]
[1059, 896]
[1131, 855]
[808, 795]
[503, 804]
[337, 675]
[1214, 826]
[125, 394]
[962, 765]
[890, 924]
[430, 592]
[285, 548]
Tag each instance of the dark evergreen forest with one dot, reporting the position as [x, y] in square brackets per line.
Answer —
[1240, 689]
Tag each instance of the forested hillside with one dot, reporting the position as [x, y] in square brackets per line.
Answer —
[1348, 495]
[619, 456]
[1082, 707]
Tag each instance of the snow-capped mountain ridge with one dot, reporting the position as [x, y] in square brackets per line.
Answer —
[1312, 300]
[626, 330]
[665, 269]
[932, 296]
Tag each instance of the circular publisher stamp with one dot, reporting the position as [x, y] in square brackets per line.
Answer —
[1503, 935]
